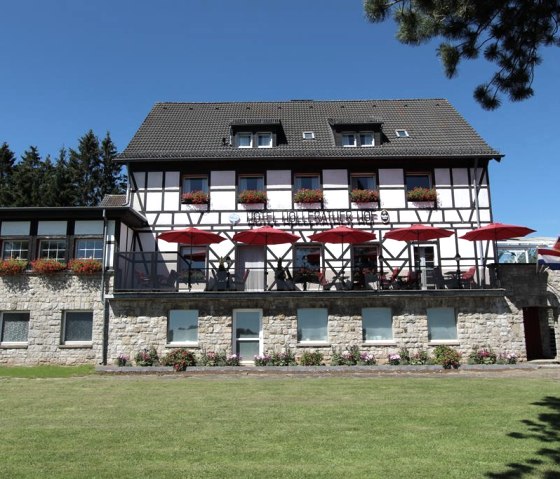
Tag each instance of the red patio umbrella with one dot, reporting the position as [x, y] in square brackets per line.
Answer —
[343, 234]
[265, 235]
[497, 232]
[418, 232]
[193, 237]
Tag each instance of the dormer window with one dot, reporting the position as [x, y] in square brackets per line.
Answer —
[367, 139]
[348, 140]
[245, 140]
[264, 140]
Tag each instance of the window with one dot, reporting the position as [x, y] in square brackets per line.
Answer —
[52, 249]
[14, 327]
[364, 182]
[195, 258]
[251, 183]
[377, 324]
[195, 183]
[401, 133]
[308, 135]
[89, 248]
[312, 324]
[309, 182]
[77, 326]
[244, 140]
[348, 139]
[264, 140]
[442, 324]
[367, 139]
[417, 180]
[307, 260]
[182, 326]
[15, 249]
[365, 259]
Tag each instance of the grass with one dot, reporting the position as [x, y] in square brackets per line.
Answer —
[46, 371]
[169, 427]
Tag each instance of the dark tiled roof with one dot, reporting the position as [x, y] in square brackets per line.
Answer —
[113, 200]
[196, 130]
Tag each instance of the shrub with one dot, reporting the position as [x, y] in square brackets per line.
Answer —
[252, 196]
[263, 360]
[233, 359]
[180, 359]
[349, 357]
[11, 267]
[284, 358]
[147, 357]
[311, 358]
[405, 356]
[507, 358]
[364, 196]
[422, 194]
[419, 358]
[394, 359]
[196, 198]
[122, 360]
[212, 358]
[367, 359]
[482, 356]
[47, 266]
[85, 266]
[447, 357]
[308, 196]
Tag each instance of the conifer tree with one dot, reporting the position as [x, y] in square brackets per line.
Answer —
[7, 160]
[27, 179]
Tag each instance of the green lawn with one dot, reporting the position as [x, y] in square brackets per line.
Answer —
[242, 427]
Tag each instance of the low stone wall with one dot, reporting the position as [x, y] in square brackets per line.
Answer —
[487, 319]
[46, 298]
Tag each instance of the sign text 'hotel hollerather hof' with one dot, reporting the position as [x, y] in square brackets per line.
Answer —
[317, 217]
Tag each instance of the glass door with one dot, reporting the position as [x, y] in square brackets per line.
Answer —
[247, 333]
[424, 264]
[250, 258]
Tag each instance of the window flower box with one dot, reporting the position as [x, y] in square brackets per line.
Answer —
[364, 196]
[250, 197]
[12, 267]
[85, 266]
[307, 196]
[47, 266]
[195, 198]
[422, 194]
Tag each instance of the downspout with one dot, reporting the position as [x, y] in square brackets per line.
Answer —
[105, 341]
[479, 258]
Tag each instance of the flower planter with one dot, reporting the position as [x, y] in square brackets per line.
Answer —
[194, 207]
[47, 266]
[367, 205]
[12, 267]
[421, 204]
[309, 206]
[250, 206]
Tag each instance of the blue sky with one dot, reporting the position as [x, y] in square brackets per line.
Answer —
[73, 65]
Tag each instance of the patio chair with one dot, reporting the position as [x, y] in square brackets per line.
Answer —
[238, 284]
[392, 282]
[169, 281]
[467, 278]
[439, 280]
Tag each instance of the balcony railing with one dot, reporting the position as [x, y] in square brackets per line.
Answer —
[169, 272]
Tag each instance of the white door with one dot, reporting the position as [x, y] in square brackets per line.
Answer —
[249, 257]
[247, 333]
[424, 261]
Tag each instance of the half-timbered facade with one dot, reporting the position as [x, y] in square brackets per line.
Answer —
[305, 167]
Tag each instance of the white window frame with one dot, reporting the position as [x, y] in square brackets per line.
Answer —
[400, 133]
[367, 145]
[382, 312]
[244, 177]
[436, 314]
[264, 134]
[20, 249]
[76, 343]
[345, 135]
[193, 177]
[40, 254]
[5, 343]
[308, 135]
[79, 240]
[325, 317]
[169, 319]
[408, 174]
[244, 135]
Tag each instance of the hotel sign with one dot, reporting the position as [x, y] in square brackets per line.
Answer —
[317, 217]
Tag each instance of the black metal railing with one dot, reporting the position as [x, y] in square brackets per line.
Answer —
[160, 271]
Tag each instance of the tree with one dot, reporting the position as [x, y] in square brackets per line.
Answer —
[27, 180]
[7, 160]
[509, 33]
[112, 181]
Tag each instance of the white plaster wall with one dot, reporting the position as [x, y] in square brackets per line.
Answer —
[278, 179]
[442, 177]
[391, 177]
[460, 177]
[153, 201]
[222, 200]
[445, 198]
[15, 228]
[171, 200]
[279, 200]
[51, 228]
[336, 199]
[462, 197]
[392, 198]
[222, 180]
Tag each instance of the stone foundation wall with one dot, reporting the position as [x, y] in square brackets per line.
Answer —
[486, 320]
[46, 298]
